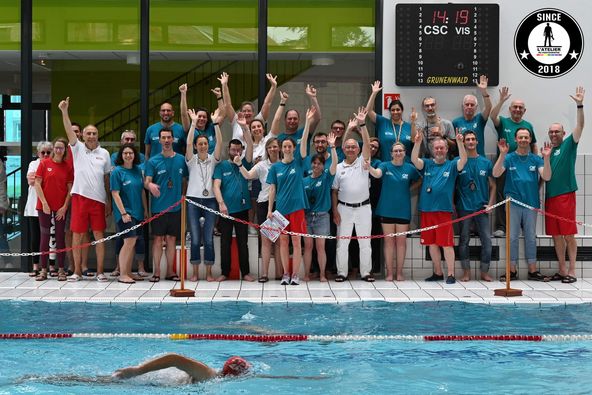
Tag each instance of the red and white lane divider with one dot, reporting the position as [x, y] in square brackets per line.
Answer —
[298, 338]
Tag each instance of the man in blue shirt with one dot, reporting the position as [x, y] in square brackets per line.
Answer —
[435, 200]
[522, 183]
[475, 191]
[166, 179]
[471, 120]
[232, 193]
[292, 118]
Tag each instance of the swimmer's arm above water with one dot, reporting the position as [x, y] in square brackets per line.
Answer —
[197, 370]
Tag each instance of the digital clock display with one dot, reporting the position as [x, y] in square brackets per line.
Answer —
[446, 44]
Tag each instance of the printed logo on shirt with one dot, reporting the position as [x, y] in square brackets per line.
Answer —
[155, 138]
[446, 174]
[482, 173]
[389, 173]
[161, 171]
[127, 182]
[292, 171]
[513, 168]
[531, 168]
[318, 184]
[558, 152]
[227, 173]
[49, 169]
[389, 133]
[405, 176]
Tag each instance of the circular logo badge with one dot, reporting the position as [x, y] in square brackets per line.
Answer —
[548, 43]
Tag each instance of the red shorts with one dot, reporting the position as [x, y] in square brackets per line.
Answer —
[443, 236]
[297, 222]
[563, 206]
[87, 212]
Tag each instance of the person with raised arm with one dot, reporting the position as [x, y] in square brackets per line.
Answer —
[560, 191]
[91, 198]
[247, 108]
[166, 180]
[475, 191]
[232, 194]
[435, 201]
[389, 130]
[506, 128]
[350, 199]
[471, 119]
[286, 189]
[200, 190]
[292, 119]
[317, 187]
[433, 126]
[522, 183]
[399, 177]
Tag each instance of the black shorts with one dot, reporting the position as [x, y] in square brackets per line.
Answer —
[389, 220]
[168, 224]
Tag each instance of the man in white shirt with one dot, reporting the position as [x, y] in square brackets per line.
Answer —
[91, 200]
[350, 199]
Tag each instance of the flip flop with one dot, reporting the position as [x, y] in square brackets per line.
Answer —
[88, 273]
[126, 282]
[368, 278]
[263, 279]
[154, 279]
[340, 279]
[173, 277]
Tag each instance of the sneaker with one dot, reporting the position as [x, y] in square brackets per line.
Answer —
[499, 233]
[435, 277]
[285, 279]
[450, 280]
[295, 280]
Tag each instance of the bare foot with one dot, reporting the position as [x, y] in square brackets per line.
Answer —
[193, 278]
[248, 278]
[306, 278]
[486, 277]
[323, 279]
[400, 277]
[466, 276]
[210, 278]
[221, 278]
[389, 277]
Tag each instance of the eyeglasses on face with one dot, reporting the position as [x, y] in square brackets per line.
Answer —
[45, 152]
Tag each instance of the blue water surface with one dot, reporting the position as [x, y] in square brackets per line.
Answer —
[38, 366]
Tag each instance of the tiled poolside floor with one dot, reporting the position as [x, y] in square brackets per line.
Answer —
[19, 286]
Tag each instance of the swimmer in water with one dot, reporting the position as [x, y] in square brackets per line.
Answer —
[197, 371]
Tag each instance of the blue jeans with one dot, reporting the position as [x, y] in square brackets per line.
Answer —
[521, 217]
[197, 234]
[482, 224]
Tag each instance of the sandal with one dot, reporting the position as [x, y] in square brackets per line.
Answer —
[556, 277]
[569, 279]
[537, 276]
[513, 276]
[62, 275]
[52, 271]
[369, 278]
[340, 279]
[42, 276]
[143, 274]
[154, 279]
[172, 277]
[115, 273]
[263, 279]
[34, 273]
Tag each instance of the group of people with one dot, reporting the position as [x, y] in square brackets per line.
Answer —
[324, 192]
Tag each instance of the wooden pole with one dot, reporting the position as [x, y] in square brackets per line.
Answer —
[507, 291]
[183, 256]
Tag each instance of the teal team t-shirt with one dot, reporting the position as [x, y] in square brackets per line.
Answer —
[289, 185]
[472, 187]
[387, 135]
[318, 192]
[438, 185]
[477, 125]
[162, 170]
[522, 178]
[395, 197]
[234, 187]
[130, 184]
[152, 138]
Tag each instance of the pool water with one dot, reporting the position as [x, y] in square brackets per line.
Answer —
[323, 367]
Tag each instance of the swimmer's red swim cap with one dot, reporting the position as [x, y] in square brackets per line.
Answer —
[235, 366]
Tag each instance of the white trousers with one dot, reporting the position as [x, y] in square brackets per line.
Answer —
[361, 217]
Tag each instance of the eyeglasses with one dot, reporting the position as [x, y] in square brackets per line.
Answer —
[338, 128]
[131, 139]
[555, 131]
[45, 152]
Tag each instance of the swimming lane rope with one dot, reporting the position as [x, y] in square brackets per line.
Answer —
[277, 338]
